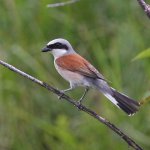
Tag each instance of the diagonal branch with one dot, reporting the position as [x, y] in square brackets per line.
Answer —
[81, 107]
[62, 3]
[145, 6]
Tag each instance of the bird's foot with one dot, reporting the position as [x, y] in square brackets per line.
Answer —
[79, 104]
[61, 94]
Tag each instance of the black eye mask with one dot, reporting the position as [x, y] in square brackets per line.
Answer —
[57, 46]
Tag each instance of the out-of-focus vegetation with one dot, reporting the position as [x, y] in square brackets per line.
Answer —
[109, 34]
[143, 54]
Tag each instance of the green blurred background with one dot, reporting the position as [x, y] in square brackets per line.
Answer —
[109, 34]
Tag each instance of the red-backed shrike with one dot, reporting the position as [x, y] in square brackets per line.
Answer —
[79, 72]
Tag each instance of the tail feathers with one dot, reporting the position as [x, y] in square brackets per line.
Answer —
[122, 101]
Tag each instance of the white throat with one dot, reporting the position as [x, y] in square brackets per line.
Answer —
[58, 53]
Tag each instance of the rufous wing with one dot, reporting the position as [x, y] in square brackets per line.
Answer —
[76, 63]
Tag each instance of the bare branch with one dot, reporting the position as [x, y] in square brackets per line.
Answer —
[145, 6]
[81, 107]
[62, 3]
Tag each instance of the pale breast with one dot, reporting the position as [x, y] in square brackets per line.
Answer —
[74, 78]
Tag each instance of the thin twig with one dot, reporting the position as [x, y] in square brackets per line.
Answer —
[62, 3]
[81, 107]
[145, 6]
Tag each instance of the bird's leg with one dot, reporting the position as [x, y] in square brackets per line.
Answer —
[82, 97]
[63, 91]
[66, 90]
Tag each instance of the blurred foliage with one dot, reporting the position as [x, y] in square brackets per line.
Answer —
[143, 54]
[109, 34]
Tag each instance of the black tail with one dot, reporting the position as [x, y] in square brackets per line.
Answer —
[127, 104]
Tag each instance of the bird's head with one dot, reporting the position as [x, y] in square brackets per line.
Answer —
[58, 47]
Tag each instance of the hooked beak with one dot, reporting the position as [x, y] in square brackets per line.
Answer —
[46, 49]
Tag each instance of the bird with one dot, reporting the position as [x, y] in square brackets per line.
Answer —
[79, 72]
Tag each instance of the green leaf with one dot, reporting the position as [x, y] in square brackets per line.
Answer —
[143, 54]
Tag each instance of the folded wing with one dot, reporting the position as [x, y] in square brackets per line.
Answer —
[76, 63]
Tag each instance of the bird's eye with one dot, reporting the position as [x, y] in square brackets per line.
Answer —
[58, 44]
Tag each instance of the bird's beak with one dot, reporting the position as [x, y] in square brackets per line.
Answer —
[46, 49]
